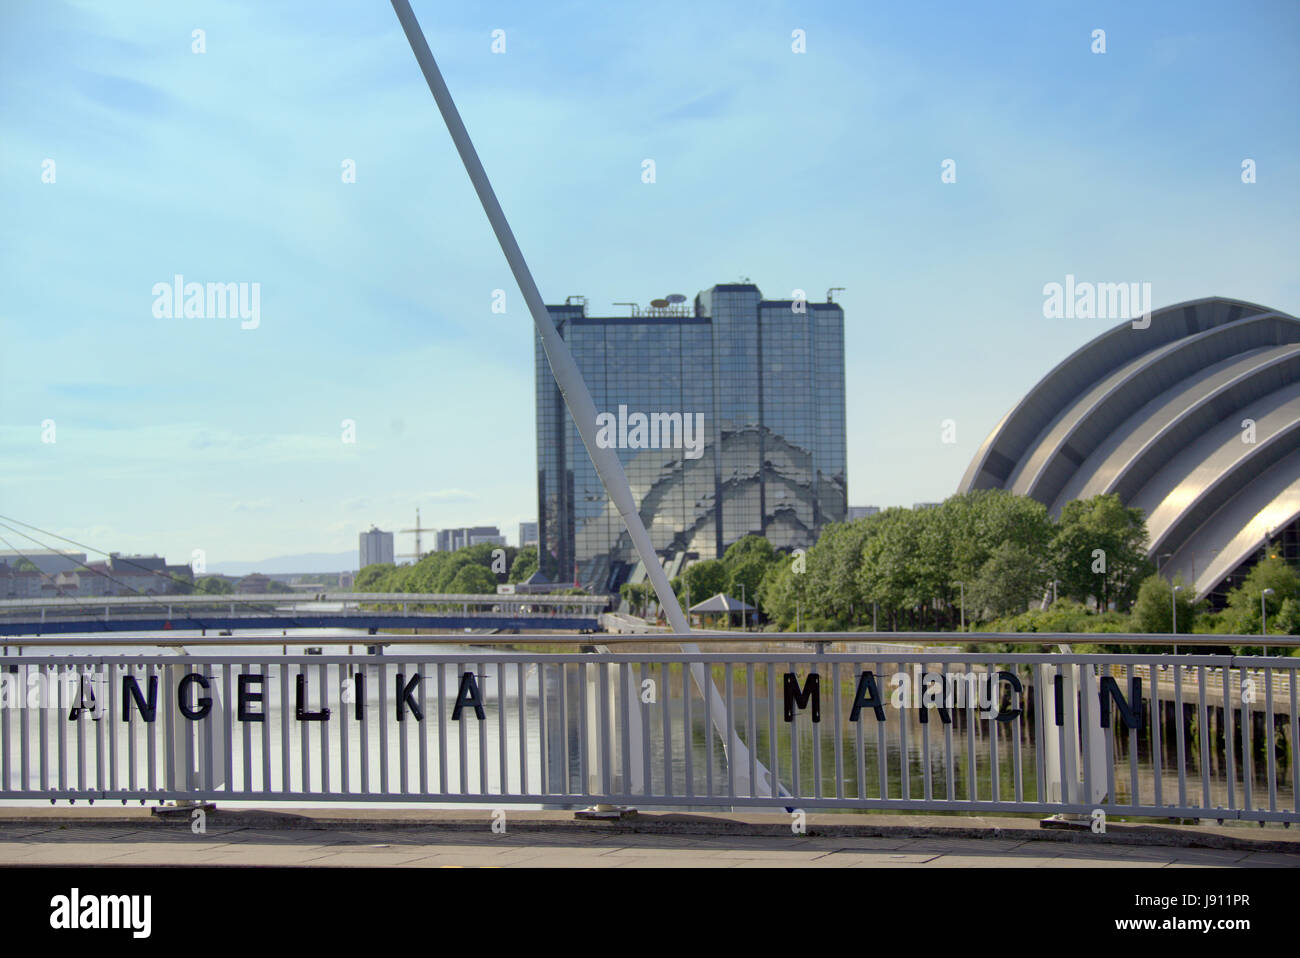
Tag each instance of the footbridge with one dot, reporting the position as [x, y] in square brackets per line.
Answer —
[357, 610]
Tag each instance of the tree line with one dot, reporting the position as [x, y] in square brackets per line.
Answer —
[473, 570]
[992, 559]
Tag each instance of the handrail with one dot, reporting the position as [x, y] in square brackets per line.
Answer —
[981, 639]
[243, 598]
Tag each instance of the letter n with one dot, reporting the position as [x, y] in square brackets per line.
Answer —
[131, 690]
[1130, 712]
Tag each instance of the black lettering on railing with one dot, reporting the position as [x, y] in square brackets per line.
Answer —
[867, 697]
[248, 696]
[1130, 712]
[405, 697]
[131, 690]
[300, 703]
[468, 694]
[182, 697]
[797, 696]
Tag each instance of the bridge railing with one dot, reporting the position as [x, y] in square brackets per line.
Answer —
[455, 600]
[1031, 733]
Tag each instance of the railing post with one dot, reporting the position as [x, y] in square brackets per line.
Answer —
[1064, 778]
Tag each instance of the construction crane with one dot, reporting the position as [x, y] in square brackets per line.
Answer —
[419, 553]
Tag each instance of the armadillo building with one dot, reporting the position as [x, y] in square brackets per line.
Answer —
[1194, 418]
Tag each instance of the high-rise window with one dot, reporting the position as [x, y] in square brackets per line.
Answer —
[764, 380]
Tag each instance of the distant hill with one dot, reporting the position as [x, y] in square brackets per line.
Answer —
[305, 562]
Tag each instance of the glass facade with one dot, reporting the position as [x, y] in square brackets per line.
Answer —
[767, 384]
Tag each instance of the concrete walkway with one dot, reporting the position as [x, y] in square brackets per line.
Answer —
[116, 836]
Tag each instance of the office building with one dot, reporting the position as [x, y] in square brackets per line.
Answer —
[861, 512]
[527, 534]
[376, 547]
[449, 540]
[728, 415]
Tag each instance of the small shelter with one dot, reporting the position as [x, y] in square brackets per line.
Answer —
[721, 604]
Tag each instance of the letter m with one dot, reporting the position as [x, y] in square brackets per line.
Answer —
[797, 697]
[219, 294]
[119, 907]
[1116, 300]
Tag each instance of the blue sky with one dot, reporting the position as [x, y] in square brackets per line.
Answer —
[797, 170]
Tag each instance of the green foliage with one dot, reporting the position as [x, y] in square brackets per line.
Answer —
[275, 585]
[1007, 582]
[213, 585]
[746, 577]
[639, 595]
[706, 578]
[373, 577]
[1153, 611]
[1242, 614]
[472, 578]
[781, 591]
[25, 565]
[1099, 551]
[436, 572]
[1063, 615]
[524, 564]
[748, 548]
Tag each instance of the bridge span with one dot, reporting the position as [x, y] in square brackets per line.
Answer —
[356, 610]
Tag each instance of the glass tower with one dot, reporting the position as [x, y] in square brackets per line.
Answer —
[765, 381]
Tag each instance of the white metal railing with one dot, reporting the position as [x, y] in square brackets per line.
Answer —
[1038, 733]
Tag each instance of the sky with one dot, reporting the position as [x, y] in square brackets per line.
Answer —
[126, 158]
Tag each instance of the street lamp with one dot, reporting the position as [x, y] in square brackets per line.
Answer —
[1173, 598]
[1263, 617]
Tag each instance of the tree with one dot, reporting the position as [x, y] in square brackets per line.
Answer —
[374, 578]
[214, 585]
[781, 592]
[25, 565]
[1099, 551]
[472, 579]
[892, 574]
[275, 585]
[525, 564]
[746, 577]
[1241, 616]
[637, 595]
[706, 578]
[1006, 583]
[1153, 609]
[746, 548]
[832, 585]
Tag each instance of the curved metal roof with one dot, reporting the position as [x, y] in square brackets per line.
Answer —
[1158, 416]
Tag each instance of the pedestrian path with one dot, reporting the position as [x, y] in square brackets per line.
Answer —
[236, 838]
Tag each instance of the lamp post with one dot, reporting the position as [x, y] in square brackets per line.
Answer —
[1173, 602]
[1263, 617]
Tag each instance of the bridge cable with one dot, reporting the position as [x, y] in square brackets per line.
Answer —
[198, 623]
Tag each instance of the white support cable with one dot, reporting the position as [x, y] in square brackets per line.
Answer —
[572, 387]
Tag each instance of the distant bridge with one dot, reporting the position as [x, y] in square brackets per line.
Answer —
[356, 610]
